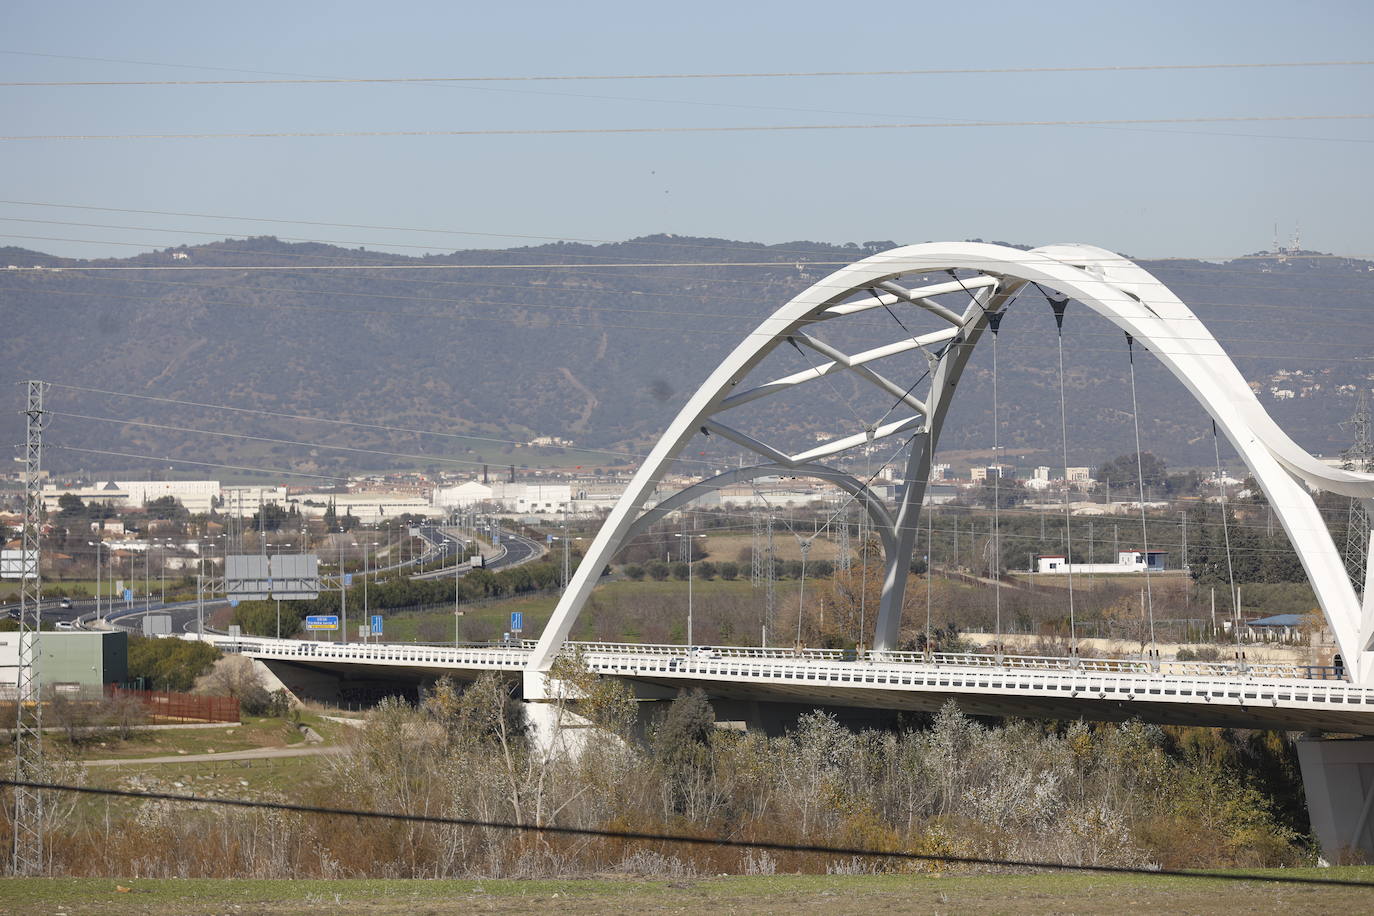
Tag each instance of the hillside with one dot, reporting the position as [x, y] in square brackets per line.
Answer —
[601, 354]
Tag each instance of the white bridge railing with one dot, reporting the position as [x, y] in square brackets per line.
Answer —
[976, 660]
[514, 653]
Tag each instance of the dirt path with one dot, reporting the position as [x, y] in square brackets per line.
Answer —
[257, 753]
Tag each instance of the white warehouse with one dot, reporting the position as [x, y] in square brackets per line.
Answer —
[1127, 561]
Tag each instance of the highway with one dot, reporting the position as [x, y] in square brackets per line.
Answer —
[514, 550]
[442, 543]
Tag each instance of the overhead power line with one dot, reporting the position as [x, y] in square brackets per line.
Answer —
[206, 464]
[800, 254]
[790, 262]
[809, 74]
[717, 129]
[645, 836]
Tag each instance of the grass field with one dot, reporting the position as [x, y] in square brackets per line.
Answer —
[490, 620]
[783, 894]
[726, 547]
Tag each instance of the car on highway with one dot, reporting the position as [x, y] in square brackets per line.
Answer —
[65, 625]
[65, 604]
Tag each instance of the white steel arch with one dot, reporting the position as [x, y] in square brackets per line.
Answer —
[988, 278]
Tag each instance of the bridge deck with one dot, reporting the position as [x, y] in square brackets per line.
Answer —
[1099, 689]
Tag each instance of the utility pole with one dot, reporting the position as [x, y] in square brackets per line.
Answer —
[28, 730]
[343, 599]
[567, 557]
[457, 585]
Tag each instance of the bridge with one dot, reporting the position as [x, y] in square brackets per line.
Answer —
[965, 289]
[1179, 693]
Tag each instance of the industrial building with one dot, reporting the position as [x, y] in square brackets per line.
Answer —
[79, 663]
[1127, 561]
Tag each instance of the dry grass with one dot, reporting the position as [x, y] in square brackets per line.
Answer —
[786, 894]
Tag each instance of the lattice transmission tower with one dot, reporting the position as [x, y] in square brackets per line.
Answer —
[769, 574]
[28, 726]
[842, 546]
[756, 550]
[1359, 457]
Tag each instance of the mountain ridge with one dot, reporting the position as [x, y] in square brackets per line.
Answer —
[476, 342]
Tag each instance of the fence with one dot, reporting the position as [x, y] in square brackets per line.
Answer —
[168, 706]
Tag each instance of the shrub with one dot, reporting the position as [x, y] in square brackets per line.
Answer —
[634, 571]
[170, 664]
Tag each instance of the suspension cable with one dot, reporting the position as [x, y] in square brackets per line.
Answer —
[930, 559]
[1059, 305]
[1140, 482]
[995, 325]
[1226, 534]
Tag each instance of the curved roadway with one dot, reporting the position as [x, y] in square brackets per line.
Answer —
[518, 550]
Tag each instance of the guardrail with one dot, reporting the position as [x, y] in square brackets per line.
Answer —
[475, 653]
[979, 660]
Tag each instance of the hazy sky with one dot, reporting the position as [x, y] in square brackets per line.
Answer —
[1208, 190]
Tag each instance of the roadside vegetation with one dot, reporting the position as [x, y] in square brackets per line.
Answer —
[1129, 795]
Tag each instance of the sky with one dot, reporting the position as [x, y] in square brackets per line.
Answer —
[1210, 190]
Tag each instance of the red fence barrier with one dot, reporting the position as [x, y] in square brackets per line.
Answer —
[181, 707]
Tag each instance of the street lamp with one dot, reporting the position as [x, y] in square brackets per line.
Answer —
[162, 567]
[567, 557]
[690, 552]
[457, 611]
[366, 613]
[97, 545]
[343, 595]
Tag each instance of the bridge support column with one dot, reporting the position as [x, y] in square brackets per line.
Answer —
[1338, 776]
[554, 726]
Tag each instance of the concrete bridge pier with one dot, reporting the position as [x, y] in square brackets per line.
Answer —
[1338, 776]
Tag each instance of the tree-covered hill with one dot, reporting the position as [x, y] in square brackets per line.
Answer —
[491, 343]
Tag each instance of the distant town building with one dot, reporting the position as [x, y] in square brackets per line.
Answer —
[1127, 561]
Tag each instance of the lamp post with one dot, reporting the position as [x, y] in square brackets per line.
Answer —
[457, 611]
[343, 596]
[690, 553]
[200, 588]
[97, 545]
[162, 570]
[366, 611]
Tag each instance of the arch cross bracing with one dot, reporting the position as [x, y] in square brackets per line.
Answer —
[985, 279]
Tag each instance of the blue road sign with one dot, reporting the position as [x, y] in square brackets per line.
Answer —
[376, 624]
[322, 622]
[233, 602]
[517, 620]
[128, 594]
[348, 579]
